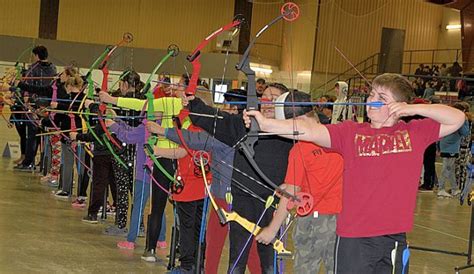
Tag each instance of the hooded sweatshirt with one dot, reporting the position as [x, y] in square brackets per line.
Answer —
[449, 145]
[41, 69]
[341, 112]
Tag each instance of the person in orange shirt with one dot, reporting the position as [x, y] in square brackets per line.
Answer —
[313, 170]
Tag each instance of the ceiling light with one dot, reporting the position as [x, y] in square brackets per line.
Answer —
[453, 26]
[262, 70]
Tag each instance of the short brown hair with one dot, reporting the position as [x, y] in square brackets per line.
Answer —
[399, 85]
[462, 106]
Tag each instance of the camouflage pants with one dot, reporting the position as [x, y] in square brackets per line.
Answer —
[314, 240]
[460, 168]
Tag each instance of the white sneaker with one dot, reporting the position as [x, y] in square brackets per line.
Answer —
[443, 193]
[455, 192]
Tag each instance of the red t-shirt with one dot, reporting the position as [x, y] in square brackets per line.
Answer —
[381, 172]
[191, 176]
[319, 173]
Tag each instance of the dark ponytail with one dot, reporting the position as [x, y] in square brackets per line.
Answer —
[133, 79]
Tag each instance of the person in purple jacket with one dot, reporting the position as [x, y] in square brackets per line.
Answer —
[141, 190]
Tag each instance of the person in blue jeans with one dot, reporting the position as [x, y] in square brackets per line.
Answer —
[449, 151]
[141, 190]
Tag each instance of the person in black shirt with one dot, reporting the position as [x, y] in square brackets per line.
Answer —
[260, 86]
[27, 131]
[273, 162]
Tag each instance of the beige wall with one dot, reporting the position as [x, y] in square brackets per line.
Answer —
[267, 50]
[355, 27]
[286, 45]
[298, 38]
[154, 23]
[449, 39]
[20, 18]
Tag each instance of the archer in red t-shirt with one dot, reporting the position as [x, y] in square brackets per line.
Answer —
[312, 170]
[382, 166]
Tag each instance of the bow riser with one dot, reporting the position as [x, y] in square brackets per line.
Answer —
[290, 12]
[255, 229]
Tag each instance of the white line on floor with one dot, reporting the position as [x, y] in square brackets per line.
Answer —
[441, 232]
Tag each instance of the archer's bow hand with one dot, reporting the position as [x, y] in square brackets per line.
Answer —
[155, 128]
[88, 102]
[73, 136]
[285, 187]
[266, 235]
[184, 98]
[106, 98]
[253, 113]
[109, 122]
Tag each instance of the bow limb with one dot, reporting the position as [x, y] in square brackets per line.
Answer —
[195, 56]
[225, 217]
[100, 61]
[173, 51]
[100, 117]
[127, 38]
[150, 153]
[102, 108]
[108, 136]
[247, 146]
[149, 106]
[111, 149]
[195, 59]
[290, 12]
[180, 135]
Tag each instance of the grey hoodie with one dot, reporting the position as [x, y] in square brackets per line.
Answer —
[41, 69]
[341, 112]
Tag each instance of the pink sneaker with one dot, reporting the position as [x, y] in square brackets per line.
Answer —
[126, 245]
[79, 203]
[161, 245]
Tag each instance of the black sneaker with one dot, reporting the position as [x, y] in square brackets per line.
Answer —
[27, 168]
[62, 194]
[90, 219]
[423, 188]
[181, 270]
